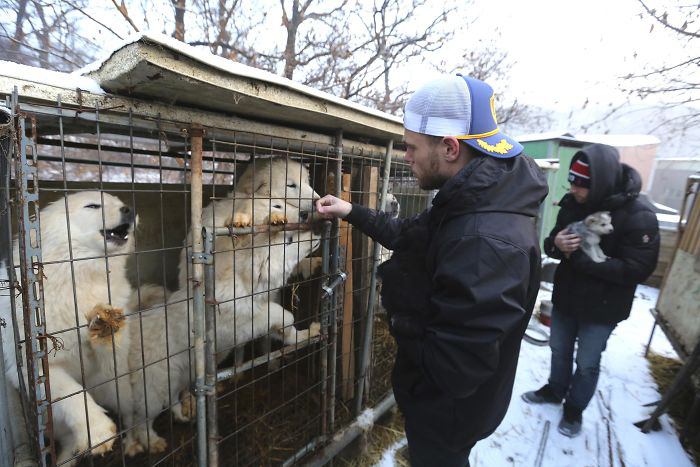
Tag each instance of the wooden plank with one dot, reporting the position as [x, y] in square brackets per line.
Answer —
[347, 354]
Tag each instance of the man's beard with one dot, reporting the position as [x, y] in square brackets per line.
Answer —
[432, 180]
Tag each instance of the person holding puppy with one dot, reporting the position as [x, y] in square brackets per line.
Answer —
[463, 279]
[590, 297]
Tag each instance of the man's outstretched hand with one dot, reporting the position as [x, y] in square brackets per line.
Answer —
[329, 206]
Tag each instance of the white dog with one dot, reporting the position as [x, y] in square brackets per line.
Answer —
[245, 311]
[273, 191]
[279, 180]
[392, 207]
[590, 230]
[99, 224]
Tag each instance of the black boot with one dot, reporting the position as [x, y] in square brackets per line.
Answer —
[570, 424]
[544, 395]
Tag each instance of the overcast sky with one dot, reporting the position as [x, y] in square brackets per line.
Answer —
[570, 50]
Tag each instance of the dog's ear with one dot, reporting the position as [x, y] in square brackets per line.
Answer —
[589, 220]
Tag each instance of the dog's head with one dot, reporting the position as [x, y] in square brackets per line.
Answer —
[599, 222]
[96, 220]
[281, 178]
[392, 205]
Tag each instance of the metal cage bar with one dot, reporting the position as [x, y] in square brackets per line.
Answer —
[29, 240]
[319, 370]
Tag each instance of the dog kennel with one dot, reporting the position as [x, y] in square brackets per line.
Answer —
[167, 129]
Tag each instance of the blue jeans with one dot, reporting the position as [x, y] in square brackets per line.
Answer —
[592, 339]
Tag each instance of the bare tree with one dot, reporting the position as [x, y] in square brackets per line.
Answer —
[44, 33]
[180, 8]
[488, 63]
[676, 84]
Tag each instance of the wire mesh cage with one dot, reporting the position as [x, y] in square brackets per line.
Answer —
[170, 296]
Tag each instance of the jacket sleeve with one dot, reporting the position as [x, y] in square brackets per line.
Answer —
[380, 226]
[480, 289]
[636, 255]
[548, 245]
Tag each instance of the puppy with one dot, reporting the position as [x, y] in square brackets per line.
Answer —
[281, 180]
[392, 207]
[83, 326]
[247, 275]
[281, 191]
[590, 230]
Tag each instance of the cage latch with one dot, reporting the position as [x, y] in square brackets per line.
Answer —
[337, 280]
[202, 258]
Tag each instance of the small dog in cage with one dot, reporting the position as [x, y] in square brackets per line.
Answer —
[392, 207]
[282, 191]
[590, 230]
[247, 277]
[276, 180]
[86, 334]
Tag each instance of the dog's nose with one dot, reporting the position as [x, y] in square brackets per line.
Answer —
[303, 216]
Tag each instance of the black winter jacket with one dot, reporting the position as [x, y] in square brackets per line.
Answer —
[603, 292]
[460, 287]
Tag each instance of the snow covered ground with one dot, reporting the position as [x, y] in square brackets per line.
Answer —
[609, 437]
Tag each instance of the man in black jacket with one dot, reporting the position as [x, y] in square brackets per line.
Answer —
[463, 279]
[590, 298]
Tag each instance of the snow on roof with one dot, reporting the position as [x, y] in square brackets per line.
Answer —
[543, 136]
[52, 78]
[619, 140]
[611, 140]
[232, 67]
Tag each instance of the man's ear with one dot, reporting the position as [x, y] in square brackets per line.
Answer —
[451, 148]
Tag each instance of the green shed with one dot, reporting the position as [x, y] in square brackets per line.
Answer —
[553, 153]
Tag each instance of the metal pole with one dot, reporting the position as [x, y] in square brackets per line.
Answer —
[210, 349]
[29, 242]
[324, 332]
[6, 445]
[341, 439]
[369, 323]
[20, 444]
[334, 267]
[198, 292]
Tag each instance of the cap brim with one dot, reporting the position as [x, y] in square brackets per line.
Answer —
[498, 145]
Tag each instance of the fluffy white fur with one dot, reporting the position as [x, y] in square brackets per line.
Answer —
[281, 192]
[94, 288]
[590, 230]
[275, 181]
[245, 279]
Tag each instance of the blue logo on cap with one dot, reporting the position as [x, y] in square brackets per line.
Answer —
[484, 134]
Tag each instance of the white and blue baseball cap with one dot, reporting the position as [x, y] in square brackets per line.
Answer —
[462, 107]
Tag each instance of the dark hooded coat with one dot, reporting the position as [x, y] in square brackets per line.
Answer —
[603, 292]
[460, 289]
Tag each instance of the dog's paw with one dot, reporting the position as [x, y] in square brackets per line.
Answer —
[314, 329]
[132, 446]
[239, 219]
[149, 438]
[186, 409]
[277, 218]
[104, 321]
[158, 444]
[102, 431]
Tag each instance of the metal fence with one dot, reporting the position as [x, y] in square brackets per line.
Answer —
[143, 326]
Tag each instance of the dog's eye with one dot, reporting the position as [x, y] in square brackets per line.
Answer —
[277, 206]
[93, 206]
[292, 185]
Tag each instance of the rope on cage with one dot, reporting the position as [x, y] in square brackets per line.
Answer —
[295, 297]
[56, 343]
